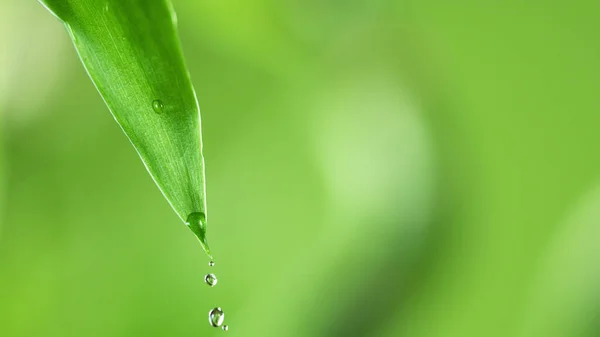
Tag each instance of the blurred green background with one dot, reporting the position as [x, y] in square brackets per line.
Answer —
[374, 168]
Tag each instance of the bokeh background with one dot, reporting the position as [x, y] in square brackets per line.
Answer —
[374, 168]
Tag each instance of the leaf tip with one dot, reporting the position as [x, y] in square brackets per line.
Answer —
[196, 221]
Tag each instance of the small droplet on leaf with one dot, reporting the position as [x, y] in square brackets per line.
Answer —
[225, 327]
[211, 280]
[216, 317]
[158, 106]
[197, 223]
[211, 263]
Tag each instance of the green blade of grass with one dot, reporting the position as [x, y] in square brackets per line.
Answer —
[131, 52]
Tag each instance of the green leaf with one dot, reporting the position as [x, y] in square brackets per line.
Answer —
[131, 51]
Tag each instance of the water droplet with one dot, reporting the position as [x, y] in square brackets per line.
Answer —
[158, 106]
[211, 263]
[225, 328]
[216, 317]
[197, 223]
[211, 280]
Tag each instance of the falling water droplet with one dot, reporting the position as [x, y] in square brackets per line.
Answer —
[158, 106]
[211, 280]
[225, 327]
[216, 317]
[211, 263]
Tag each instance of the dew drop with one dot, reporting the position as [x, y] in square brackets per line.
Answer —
[158, 106]
[216, 317]
[197, 223]
[211, 280]
[225, 327]
[211, 263]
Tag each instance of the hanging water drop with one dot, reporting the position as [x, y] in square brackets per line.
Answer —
[216, 317]
[197, 223]
[211, 280]
[158, 106]
[225, 328]
[211, 263]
